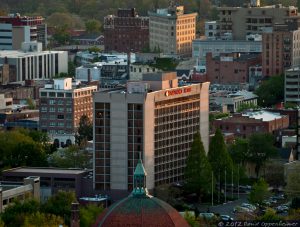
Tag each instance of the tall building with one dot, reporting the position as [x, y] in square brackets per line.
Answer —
[61, 106]
[126, 32]
[31, 63]
[281, 50]
[154, 118]
[241, 21]
[15, 29]
[171, 31]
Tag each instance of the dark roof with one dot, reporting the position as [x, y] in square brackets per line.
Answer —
[141, 211]
[88, 36]
[181, 72]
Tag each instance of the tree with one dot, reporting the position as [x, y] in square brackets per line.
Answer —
[219, 157]
[42, 219]
[198, 170]
[270, 215]
[92, 26]
[238, 150]
[246, 106]
[293, 182]
[15, 213]
[60, 205]
[259, 192]
[31, 104]
[85, 130]
[271, 91]
[71, 157]
[71, 69]
[89, 214]
[261, 149]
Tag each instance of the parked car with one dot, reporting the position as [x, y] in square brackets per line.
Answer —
[207, 215]
[282, 209]
[249, 206]
[226, 217]
[240, 209]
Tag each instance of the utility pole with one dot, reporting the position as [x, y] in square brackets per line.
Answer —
[212, 188]
[232, 183]
[238, 183]
[225, 187]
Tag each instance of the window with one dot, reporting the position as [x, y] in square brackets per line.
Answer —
[43, 94]
[52, 101]
[60, 117]
[69, 110]
[44, 109]
[52, 124]
[60, 109]
[52, 109]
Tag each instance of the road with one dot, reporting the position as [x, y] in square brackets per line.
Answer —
[224, 208]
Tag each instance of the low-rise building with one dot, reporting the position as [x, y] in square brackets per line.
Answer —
[217, 47]
[53, 180]
[230, 68]
[61, 106]
[33, 63]
[11, 191]
[245, 124]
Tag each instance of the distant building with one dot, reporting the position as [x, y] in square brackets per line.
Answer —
[230, 68]
[126, 32]
[61, 107]
[172, 31]
[281, 50]
[233, 101]
[137, 70]
[245, 124]
[89, 39]
[217, 47]
[211, 30]
[291, 86]
[53, 180]
[15, 29]
[29, 187]
[5, 102]
[32, 63]
[240, 21]
[255, 76]
[154, 118]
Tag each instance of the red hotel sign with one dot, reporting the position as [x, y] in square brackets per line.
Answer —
[178, 91]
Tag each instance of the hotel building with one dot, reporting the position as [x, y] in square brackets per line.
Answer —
[154, 118]
[61, 107]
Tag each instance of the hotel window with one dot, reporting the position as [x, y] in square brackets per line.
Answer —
[52, 124]
[52, 109]
[69, 110]
[44, 109]
[52, 101]
[60, 109]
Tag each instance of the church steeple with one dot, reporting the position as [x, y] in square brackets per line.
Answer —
[139, 180]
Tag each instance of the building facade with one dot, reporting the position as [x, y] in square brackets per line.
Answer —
[15, 29]
[291, 86]
[244, 125]
[172, 31]
[154, 118]
[230, 68]
[217, 47]
[32, 63]
[281, 50]
[240, 21]
[61, 107]
[126, 32]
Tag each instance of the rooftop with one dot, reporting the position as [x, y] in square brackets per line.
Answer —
[20, 54]
[45, 170]
[263, 115]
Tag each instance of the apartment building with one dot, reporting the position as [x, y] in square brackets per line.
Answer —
[291, 86]
[240, 21]
[15, 29]
[61, 106]
[171, 31]
[281, 49]
[126, 31]
[154, 118]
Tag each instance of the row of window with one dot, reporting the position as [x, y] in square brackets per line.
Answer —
[54, 109]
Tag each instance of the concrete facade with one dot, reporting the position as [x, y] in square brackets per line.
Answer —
[241, 21]
[154, 118]
[291, 86]
[171, 31]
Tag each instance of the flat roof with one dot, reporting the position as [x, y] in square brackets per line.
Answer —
[45, 170]
[16, 53]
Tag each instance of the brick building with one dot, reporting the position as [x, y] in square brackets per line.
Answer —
[281, 50]
[61, 107]
[243, 125]
[230, 68]
[126, 32]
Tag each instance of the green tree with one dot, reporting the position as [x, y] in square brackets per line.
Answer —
[245, 106]
[219, 157]
[85, 130]
[71, 69]
[270, 215]
[261, 149]
[271, 91]
[238, 150]
[71, 157]
[198, 170]
[259, 192]
[15, 213]
[41, 219]
[89, 214]
[31, 104]
[60, 205]
[92, 26]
